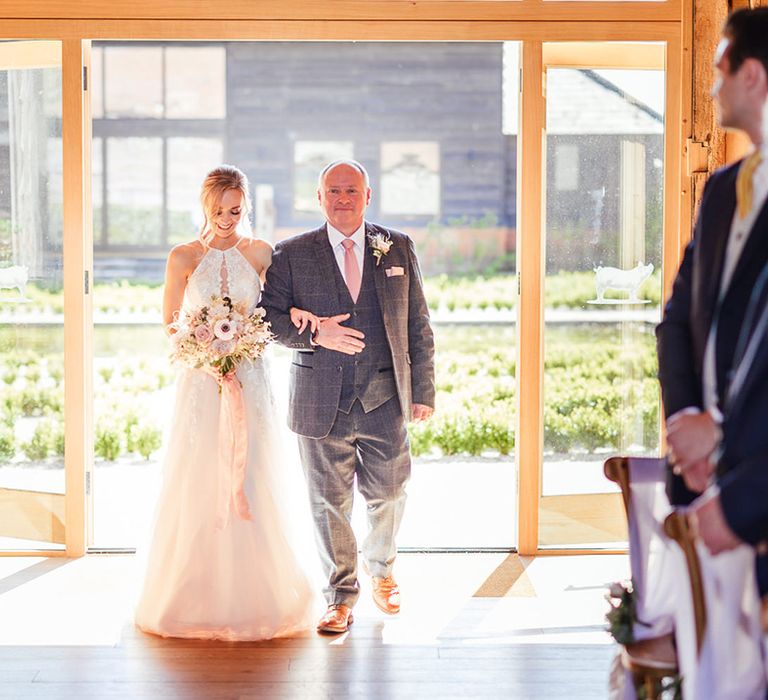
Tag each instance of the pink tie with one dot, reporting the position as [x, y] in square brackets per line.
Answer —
[351, 269]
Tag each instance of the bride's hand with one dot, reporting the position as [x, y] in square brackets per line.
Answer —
[301, 319]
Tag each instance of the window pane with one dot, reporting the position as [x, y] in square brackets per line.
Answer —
[410, 177]
[195, 83]
[97, 189]
[133, 82]
[604, 151]
[189, 160]
[135, 191]
[31, 311]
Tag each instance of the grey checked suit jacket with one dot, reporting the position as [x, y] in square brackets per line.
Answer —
[302, 275]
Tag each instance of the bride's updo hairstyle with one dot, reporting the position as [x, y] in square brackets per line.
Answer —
[216, 183]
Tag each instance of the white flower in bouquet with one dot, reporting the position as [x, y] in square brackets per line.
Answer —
[225, 329]
[218, 311]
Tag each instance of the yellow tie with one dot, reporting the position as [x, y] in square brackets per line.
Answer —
[744, 183]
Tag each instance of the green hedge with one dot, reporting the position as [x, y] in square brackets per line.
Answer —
[497, 291]
[599, 395]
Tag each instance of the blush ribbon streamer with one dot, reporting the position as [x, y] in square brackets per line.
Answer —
[233, 450]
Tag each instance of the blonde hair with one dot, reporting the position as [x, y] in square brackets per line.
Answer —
[216, 183]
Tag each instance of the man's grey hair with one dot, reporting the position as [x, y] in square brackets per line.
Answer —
[343, 161]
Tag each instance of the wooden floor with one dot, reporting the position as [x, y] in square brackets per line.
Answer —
[472, 626]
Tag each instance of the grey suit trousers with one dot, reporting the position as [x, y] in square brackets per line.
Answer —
[374, 448]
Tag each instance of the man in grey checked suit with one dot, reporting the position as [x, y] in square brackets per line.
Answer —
[356, 380]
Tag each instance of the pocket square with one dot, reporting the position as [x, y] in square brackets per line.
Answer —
[394, 271]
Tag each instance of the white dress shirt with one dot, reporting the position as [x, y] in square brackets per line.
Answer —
[336, 239]
[737, 239]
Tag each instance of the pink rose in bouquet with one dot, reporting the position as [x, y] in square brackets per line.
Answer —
[203, 334]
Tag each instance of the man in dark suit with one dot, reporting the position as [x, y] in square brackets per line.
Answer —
[353, 388]
[709, 319]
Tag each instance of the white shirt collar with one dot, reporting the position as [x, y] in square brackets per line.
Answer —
[336, 237]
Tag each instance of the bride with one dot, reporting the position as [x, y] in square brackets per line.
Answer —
[224, 567]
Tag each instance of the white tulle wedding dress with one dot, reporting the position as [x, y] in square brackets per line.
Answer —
[234, 579]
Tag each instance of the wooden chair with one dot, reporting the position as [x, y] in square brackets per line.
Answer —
[653, 659]
[677, 528]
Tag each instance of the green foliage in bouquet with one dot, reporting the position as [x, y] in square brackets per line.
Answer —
[622, 614]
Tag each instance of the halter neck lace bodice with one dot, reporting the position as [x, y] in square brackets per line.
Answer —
[223, 273]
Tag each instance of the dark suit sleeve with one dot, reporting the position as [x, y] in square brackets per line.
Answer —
[421, 342]
[680, 383]
[744, 498]
[277, 301]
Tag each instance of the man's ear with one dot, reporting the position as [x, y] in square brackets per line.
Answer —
[755, 74]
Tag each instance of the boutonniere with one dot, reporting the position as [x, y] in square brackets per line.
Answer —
[380, 244]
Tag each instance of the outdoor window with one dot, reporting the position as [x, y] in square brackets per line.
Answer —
[410, 177]
[189, 159]
[566, 167]
[175, 82]
[195, 83]
[126, 95]
[135, 190]
[158, 127]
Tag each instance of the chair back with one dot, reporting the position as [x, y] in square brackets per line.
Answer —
[726, 612]
[678, 528]
[642, 480]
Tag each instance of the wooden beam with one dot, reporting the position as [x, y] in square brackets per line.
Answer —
[354, 30]
[676, 230]
[338, 10]
[707, 18]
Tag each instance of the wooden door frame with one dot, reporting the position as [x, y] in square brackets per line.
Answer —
[597, 512]
[389, 20]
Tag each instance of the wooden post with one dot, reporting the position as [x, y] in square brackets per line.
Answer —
[530, 301]
[78, 279]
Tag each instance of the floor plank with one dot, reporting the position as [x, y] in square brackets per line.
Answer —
[66, 632]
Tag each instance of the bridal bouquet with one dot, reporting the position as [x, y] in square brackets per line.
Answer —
[217, 337]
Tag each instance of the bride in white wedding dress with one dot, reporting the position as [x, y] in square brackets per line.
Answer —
[210, 572]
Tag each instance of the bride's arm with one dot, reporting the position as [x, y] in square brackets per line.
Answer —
[177, 270]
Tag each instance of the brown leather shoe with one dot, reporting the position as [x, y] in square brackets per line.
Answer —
[386, 594]
[337, 619]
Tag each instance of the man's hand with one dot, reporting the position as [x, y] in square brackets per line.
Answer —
[691, 437]
[331, 335]
[697, 475]
[420, 412]
[301, 319]
[710, 525]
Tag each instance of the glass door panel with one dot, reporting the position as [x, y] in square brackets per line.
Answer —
[31, 298]
[442, 170]
[602, 289]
